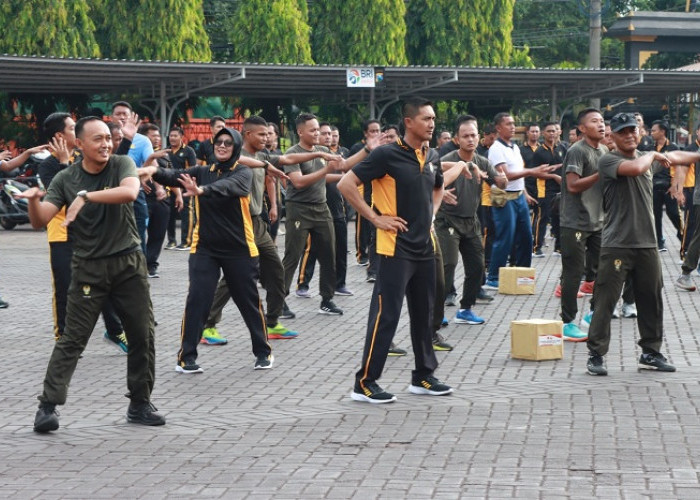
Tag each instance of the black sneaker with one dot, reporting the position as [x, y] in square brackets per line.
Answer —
[144, 414]
[484, 298]
[371, 278]
[396, 351]
[538, 254]
[46, 418]
[287, 313]
[153, 273]
[451, 300]
[363, 261]
[596, 365]
[439, 343]
[188, 367]
[264, 362]
[370, 392]
[328, 307]
[655, 361]
[430, 386]
[3, 304]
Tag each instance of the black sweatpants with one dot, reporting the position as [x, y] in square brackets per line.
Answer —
[158, 217]
[580, 251]
[644, 266]
[308, 260]
[396, 278]
[689, 217]
[241, 275]
[121, 279]
[662, 198]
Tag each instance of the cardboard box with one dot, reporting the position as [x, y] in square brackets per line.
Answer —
[536, 339]
[516, 280]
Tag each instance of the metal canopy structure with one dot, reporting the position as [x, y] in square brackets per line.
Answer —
[169, 83]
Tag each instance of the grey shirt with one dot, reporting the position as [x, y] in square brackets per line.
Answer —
[468, 191]
[258, 187]
[629, 218]
[316, 192]
[583, 211]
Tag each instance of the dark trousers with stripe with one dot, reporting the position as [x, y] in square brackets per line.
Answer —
[121, 279]
[158, 217]
[580, 251]
[271, 278]
[61, 253]
[174, 216]
[488, 231]
[241, 275]
[662, 198]
[186, 222]
[308, 260]
[692, 255]
[396, 278]
[688, 220]
[616, 265]
[542, 216]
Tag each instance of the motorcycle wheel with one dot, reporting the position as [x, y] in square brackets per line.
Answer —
[7, 223]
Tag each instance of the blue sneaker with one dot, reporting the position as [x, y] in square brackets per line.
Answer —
[445, 322]
[573, 333]
[467, 317]
[119, 341]
[491, 285]
[587, 318]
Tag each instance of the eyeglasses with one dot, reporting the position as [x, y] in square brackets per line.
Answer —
[227, 143]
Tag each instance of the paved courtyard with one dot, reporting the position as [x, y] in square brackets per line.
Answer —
[512, 429]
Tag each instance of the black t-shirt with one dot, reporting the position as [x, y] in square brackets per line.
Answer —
[662, 178]
[448, 147]
[183, 157]
[549, 156]
[530, 182]
[206, 152]
[403, 180]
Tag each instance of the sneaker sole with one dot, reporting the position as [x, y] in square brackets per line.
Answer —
[441, 348]
[397, 355]
[416, 389]
[303, 296]
[575, 339]
[686, 289]
[277, 336]
[180, 369]
[141, 422]
[47, 427]
[344, 294]
[365, 399]
[115, 345]
[468, 322]
[330, 313]
[629, 316]
[596, 374]
[272, 362]
[215, 342]
[641, 366]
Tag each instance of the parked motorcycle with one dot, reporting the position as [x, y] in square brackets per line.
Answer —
[12, 211]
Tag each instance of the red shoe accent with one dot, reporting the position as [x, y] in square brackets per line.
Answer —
[557, 292]
[587, 287]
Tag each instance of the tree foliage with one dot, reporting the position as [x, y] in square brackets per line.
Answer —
[359, 32]
[60, 28]
[167, 30]
[272, 31]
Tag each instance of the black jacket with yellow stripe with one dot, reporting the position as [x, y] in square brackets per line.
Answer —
[223, 225]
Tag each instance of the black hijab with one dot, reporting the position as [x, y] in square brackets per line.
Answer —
[237, 146]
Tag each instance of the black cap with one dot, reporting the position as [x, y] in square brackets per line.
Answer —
[622, 120]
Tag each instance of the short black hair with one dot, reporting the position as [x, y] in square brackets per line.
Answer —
[80, 124]
[254, 120]
[177, 129]
[121, 103]
[304, 117]
[334, 128]
[112, 126]
[547, 124]
[533, 124]
[367, 123]
[325, 124]
[663, 125]
[390, 127]
[145, 128]
[215, 119]
[55, 123]
[412, 105]
[489, 129]
[500, 117]
[463, 119]
[585, 112]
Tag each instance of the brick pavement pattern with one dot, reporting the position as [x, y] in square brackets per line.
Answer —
[512, 429]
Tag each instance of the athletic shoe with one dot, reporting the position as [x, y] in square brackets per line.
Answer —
[655, 361]
[46, 418]
[451, 299]
[467, 317]
[287, 313]
[556, 253]
[343, 291]
[663, 248]
[573, 333]
[144, 414]
[538, 254]
[171, 245]
[629, 310]
[304, 293]
[153, 273]
[119, 341]
[430, 386]
[279, 332]
[396, 351]
[371, 278]
[182, 248]
[557, 292]
[491, 285]
[439, 343]
[445, 322]
[596, 365]
[685, 282]
[363, 261]
[370, 392]
[188, 367]
[587, 318]
[211, 336]
[483, 298]
[587, 287]
[328, 307]
[3, 304]
[264, 362]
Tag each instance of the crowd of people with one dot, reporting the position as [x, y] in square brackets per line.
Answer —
[114, 194]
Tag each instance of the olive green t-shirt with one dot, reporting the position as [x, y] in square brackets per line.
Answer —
[316, 192]
[257, 189]
[629, 217]
[99, 230]
[468, 191]
[583, 211]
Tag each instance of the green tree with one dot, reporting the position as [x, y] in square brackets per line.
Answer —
[168, 30]
[359, 32]
[272, 31]
[61, 28]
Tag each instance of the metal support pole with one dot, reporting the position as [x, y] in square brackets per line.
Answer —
[594, 40]
[164, 125]
[372, 106]
[553, 105]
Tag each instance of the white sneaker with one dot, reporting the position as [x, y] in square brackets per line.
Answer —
[629, 310]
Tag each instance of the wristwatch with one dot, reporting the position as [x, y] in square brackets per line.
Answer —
[84, 195]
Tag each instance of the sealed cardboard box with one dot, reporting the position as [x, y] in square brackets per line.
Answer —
[536, 339]
[516, 280]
